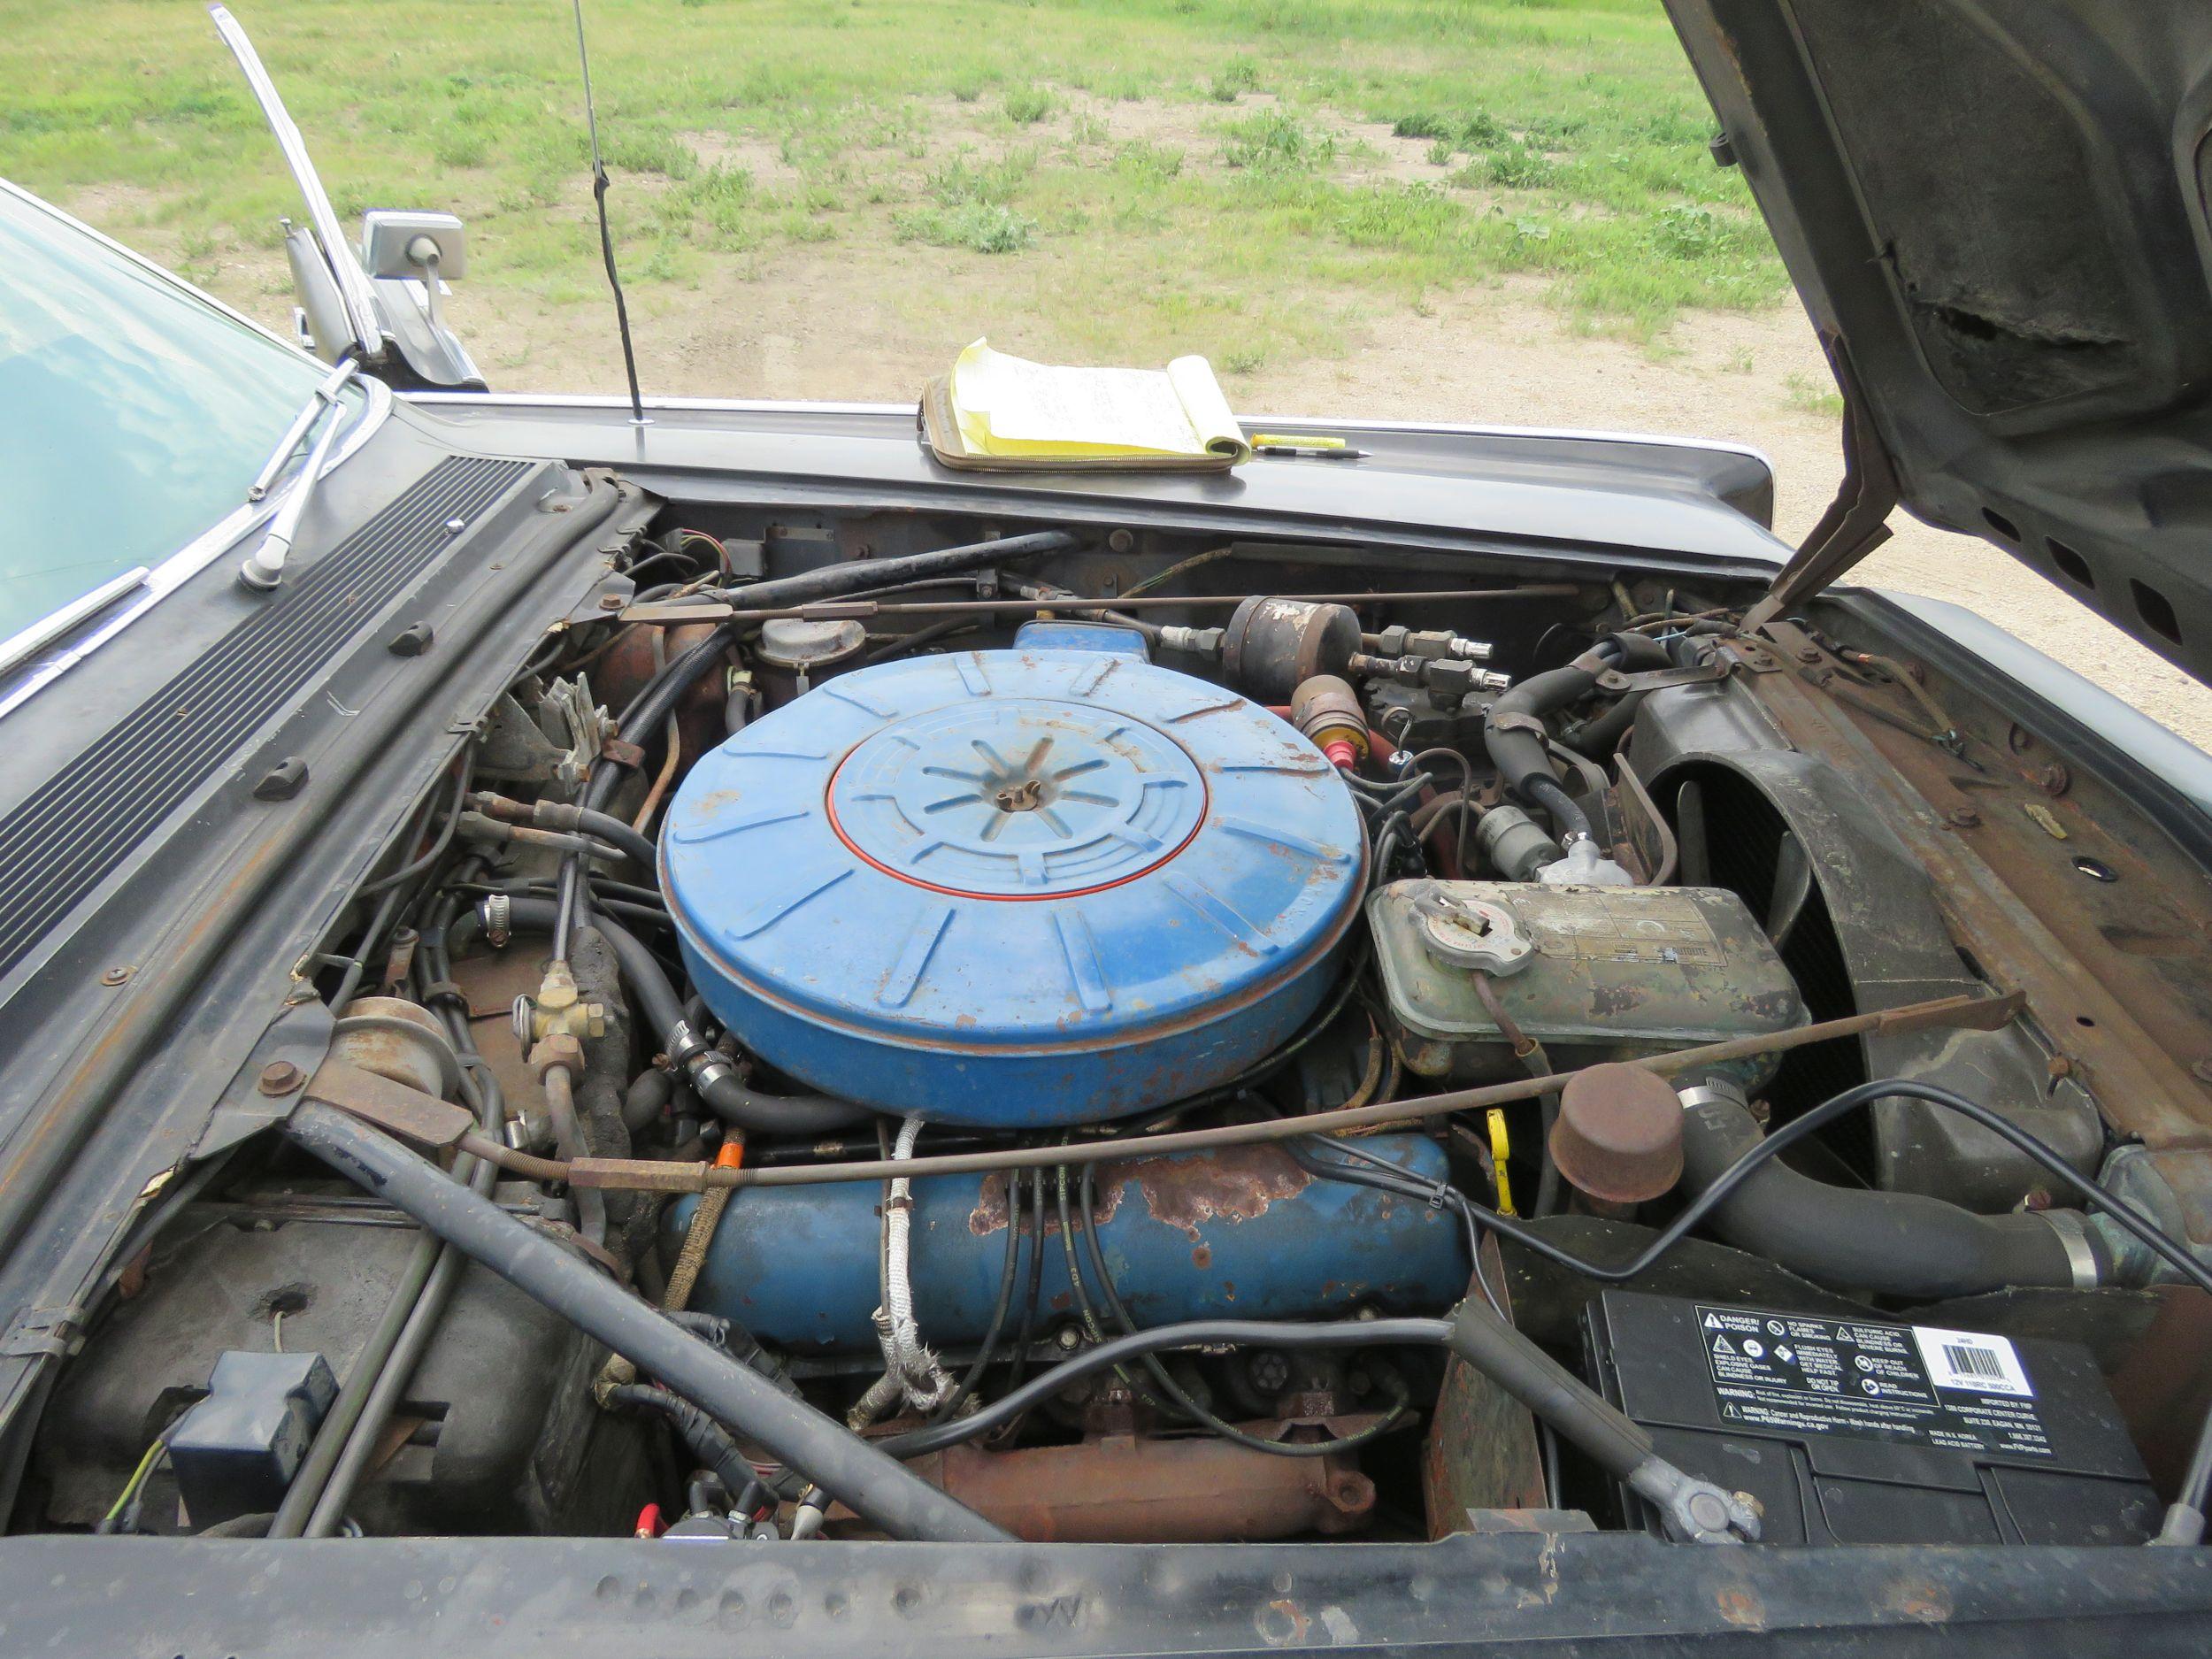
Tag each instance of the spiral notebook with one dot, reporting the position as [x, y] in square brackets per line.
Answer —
[996, 411]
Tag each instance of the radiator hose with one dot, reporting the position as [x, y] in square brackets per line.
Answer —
[1894, 1244]
[1513, 731]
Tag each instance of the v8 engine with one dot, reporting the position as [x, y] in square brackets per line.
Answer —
[1108, 1039]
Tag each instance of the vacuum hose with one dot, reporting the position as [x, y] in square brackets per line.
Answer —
[1898, 1244]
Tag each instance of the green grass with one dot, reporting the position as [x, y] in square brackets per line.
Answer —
[1182, 174]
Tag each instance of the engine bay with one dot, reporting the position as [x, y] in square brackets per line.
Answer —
[1384, 1049]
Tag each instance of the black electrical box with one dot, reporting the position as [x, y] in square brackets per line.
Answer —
[1862, 1431]
[236, 1450]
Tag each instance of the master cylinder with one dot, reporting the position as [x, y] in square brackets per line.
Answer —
[1591, 974]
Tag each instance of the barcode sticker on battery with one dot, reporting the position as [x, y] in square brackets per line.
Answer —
[1969, 1360]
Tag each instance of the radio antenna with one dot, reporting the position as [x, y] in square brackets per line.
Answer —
[606, 237]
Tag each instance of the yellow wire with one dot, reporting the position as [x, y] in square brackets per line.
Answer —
[138, 1478]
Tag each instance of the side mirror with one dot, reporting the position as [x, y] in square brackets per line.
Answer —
[363, 306]
[395, 243]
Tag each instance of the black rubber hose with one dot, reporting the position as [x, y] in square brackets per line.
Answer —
[663, 1014]
[851, 576]
[652, 706]
[1518, 752]
[708, 1441]
[645, 1098]
[609, 828]
[1119, 1351]
[1897, 1244]
[874, 1485]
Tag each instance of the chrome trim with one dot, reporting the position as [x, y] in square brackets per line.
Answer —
[264, 567]
[353, 282]
[311, 411]
[1268, 423]
[30, 641]
[202, 550]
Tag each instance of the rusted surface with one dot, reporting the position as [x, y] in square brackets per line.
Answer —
[1481, 1451]
[489, 984]
[407, 1112]
[398, 1039]
[1234, 1184]
[1618, 1137]
[2117, 974]
[1122, 1489]
[629, 663]
[1189, 1193]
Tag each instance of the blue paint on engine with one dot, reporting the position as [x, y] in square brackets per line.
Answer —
[1241, 1233]
[1013, 889]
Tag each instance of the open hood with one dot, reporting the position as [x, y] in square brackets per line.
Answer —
[1995, 212]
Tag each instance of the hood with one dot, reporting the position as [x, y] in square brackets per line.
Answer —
[1995, 213]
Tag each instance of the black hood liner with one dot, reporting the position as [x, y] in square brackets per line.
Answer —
[1995, 212]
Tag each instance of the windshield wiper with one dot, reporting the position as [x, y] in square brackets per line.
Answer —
[264, 567]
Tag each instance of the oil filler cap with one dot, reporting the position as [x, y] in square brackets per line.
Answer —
[1013, 889]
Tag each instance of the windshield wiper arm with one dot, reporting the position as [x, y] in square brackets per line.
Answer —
[325, 396]
[264, 567]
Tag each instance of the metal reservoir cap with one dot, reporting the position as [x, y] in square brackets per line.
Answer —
[1013, 889]
[1619, 1134]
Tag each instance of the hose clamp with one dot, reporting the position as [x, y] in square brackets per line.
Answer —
[2073, 1234]
[498, 917]
[684, 1045]
[710, 1069]
[1710, 1092]
[1514, 720]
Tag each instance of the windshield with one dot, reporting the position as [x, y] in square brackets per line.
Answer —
[132, 415]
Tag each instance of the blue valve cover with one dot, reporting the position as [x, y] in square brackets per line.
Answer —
[1013, 889]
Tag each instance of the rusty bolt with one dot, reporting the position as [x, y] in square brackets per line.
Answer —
[2055, 779]
[280, 1077]
[1808, 653]
[1963, 818]
[2060, 1066]
[611, 602]
[115, 976]
[2036, 1199]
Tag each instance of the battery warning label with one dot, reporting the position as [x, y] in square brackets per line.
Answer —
[1955, 1389]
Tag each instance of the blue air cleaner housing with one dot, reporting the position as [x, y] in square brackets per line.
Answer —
[1013, 889]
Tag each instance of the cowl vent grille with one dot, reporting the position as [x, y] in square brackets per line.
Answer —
[75, 831]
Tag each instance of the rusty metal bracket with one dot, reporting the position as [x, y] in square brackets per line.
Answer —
[1512, 721]
[1659, 679]
[409, 1113]
[1857, 521]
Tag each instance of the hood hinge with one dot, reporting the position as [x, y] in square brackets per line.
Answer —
[1857, 520]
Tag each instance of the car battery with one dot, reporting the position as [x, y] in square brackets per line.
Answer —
[1863, 1431]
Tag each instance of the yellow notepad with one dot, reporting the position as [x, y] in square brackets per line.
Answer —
[997, 410]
